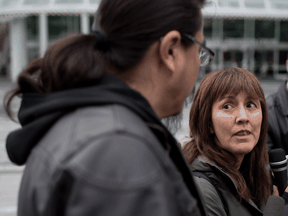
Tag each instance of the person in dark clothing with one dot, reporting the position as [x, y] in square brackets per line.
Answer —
[91, 137]
[228, 127]
[277, 105]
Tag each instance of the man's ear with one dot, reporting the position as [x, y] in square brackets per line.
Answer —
[287, 65]
[169, 49]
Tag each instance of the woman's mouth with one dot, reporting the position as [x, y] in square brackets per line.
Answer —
[242, 133]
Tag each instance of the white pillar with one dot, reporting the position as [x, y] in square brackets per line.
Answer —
[84, 23]
[18, 49]
[43, 34]
[220, 59]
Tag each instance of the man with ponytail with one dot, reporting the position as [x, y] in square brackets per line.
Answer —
[91, 137]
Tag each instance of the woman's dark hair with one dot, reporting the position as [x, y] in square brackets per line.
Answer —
[130, 28]
[252, 178]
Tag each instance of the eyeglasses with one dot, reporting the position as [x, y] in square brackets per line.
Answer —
[205, 54]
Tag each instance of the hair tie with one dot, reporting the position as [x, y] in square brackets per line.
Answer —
[102, 41]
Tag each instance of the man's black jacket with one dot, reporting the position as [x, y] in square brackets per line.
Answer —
[99, 150]
[277, 105]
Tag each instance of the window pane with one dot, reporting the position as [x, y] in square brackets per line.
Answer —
[94, 1]
[8, 3]
[62, 26]
[69, 1]
[284, 31]
[32, 27]
[228, 3]
[264, 29]
[279, 4]
[57, 27]
[36, 2]
[233, 28]
[208, 27]
[283, 56]
[91, 19]
[254, 3]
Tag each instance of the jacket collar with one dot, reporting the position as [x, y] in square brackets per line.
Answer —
[203, 164]
[38, 112]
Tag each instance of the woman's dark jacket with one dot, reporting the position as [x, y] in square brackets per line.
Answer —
[226, 186]
[99, 150]
[277, 105]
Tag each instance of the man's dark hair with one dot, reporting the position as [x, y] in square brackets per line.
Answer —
[130, 27]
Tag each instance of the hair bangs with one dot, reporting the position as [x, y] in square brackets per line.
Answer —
[233, 81]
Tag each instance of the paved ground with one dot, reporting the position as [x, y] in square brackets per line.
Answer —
[10, 175]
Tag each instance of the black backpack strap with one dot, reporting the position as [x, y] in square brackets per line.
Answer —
[204, 176]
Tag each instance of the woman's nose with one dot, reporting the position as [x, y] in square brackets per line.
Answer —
[242, 115]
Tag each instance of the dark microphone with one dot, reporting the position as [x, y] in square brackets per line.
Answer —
[278, 164]
[274, 206]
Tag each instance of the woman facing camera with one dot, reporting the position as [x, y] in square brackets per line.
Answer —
[228, 127]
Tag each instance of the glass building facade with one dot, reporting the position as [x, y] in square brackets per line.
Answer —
[252, 34]
[259, 45]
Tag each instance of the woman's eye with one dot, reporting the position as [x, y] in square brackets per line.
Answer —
[251, 105]
[227, 106]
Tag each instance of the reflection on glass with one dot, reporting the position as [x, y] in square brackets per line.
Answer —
[228, 3]
[254, 3]
[233, 28]
[264, 28]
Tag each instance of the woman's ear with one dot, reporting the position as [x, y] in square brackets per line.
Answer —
[170, 50]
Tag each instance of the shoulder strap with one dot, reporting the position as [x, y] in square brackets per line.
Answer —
[204, 176]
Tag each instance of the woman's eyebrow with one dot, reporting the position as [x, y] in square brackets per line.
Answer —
[252, 98]
[226, 97]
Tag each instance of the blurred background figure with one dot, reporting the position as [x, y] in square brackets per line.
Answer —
[277, 105]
